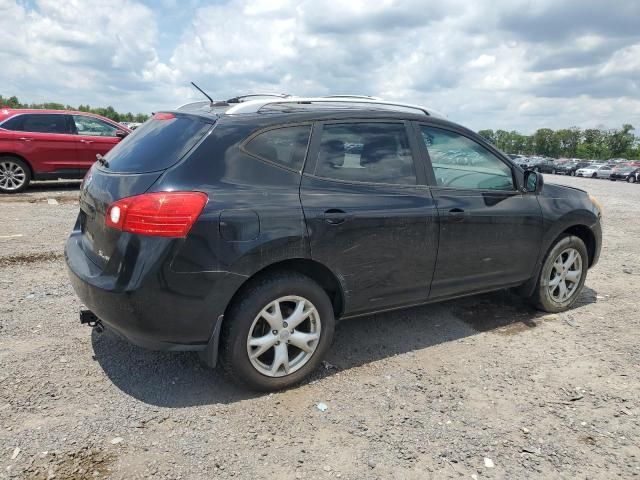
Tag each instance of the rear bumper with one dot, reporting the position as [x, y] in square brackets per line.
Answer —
[156, 308]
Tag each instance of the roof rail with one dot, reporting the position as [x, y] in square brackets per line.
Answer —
[254, 106]
[366, 97]
[202, 103]
[240, 97]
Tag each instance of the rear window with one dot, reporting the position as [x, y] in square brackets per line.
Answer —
[157, 145]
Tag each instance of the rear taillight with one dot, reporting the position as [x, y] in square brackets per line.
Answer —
[159, 214]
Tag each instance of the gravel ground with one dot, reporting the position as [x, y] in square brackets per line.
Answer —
[483, 387]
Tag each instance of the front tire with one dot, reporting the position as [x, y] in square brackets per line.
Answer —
[631, 179]
[562, 276]
[277, 332]
[15, 175]
[573, 173]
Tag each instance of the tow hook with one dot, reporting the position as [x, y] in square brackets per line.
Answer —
[87, 317]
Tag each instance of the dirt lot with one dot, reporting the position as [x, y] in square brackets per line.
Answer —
[483, 387]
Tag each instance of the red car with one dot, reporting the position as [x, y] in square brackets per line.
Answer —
[51, 144]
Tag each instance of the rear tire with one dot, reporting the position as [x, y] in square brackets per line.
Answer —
[573, 173]
[258, 322]
[595, 175]
[631, 179]
[561, 279]
[15, 175]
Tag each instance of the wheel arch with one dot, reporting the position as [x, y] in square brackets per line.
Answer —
[19, 157]
[580, 230]
[313, 269]
[318, 272]
[585, 234]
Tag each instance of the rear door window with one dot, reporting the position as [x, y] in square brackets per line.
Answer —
[285, 146]
[366, 152]
[41, 123]
[158, 144]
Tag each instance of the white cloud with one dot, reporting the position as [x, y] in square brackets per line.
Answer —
[501, 64]
[482, 61]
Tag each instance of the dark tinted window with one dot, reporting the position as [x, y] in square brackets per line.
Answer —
[14, 123]
[285, 146]
[40, 123]
[157, 144]
[366, 152]
[459, 162]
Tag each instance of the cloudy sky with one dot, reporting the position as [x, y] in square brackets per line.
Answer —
[514, 64]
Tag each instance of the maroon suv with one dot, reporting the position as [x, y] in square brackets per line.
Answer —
[51, 144]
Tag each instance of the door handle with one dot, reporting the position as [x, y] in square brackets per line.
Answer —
[25, 139]
[335, 216]
[86, 141]
[457, 214]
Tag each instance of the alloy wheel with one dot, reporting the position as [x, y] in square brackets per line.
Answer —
[284, 336]
[565, 275]
[12, 175]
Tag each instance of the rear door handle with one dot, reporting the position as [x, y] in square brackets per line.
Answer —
[335, 216]
[26, 139]
[457, 214]
[86, 141]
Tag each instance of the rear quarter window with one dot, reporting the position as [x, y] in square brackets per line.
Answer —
[158, 144]
[286, 146]
[14, 123]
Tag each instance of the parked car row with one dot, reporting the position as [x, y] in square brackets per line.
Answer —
[614, 169]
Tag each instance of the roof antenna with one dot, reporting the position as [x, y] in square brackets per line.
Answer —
[204, 93]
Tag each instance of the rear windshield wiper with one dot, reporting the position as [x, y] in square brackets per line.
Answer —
[102, 161]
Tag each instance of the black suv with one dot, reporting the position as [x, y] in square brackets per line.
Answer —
[244, 230]
[541, 164]
[570, 168]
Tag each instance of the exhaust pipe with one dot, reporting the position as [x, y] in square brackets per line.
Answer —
[87, 317]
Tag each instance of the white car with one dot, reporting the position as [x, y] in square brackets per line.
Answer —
[595, 171]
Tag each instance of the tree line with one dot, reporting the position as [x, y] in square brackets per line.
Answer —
[590, 143]
[109, 112]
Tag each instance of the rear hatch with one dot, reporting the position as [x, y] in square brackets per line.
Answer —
[130, 169]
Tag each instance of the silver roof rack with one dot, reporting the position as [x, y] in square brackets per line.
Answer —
[366, 97]
[199, 103]
[254, 106]
[240, 97]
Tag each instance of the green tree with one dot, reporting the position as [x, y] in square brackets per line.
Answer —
[546, 143]
[488, 135]
[621, 141]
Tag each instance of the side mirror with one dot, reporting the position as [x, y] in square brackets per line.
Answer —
[121, 133]
[533, 181]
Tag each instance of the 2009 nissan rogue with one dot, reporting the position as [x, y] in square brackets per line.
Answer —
[244, 229]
